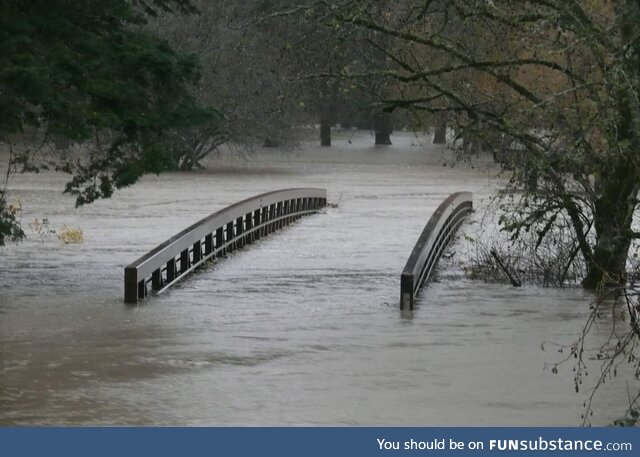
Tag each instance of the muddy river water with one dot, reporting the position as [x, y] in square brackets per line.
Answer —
[300, 328]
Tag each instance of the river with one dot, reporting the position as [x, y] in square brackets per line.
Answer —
[300, 328]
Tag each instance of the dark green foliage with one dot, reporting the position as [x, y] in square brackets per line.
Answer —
[9, 224]
[88, 71]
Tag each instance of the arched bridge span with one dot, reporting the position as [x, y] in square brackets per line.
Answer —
[222, 232]
[435, 237]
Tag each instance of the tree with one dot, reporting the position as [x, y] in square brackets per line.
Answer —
[271, 67]
[88, 72]
[318, 53]
[556, 81]
[554, 86]
[440, 134]
[245, 72]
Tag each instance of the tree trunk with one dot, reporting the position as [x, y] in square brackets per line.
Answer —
[471, 144]
[618, 185]
[440, 135]
[383, 127]
[607, 267]
[383, 139]
[613, 214]
[271, 143]
[328, 103]
[325, 130]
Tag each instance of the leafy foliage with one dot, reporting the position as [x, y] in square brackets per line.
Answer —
[9, 221]
[89, 72]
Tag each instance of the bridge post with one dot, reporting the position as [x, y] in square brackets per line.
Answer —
[197, 251]
[130, 285]
[406, 292]
[142, 290]
[229, 237]
[239, 231]
[184, 260]
[249, 224]
[171, 270]
[272, 216]
[208, 244]
[280, 213]
[256, 223]
[263, 220]
[220, 239]
[156, 279]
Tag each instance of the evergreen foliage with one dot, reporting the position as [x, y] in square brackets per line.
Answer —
[89, 72]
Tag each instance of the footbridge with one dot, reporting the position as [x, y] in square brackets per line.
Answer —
[216, 235]
[435, 237]
[249, 220]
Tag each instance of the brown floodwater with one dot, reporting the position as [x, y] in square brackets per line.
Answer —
[300, 328]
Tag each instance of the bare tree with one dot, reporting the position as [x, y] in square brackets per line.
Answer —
[244, 69]
[556, 81]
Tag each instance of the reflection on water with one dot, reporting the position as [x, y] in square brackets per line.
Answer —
[302, 327]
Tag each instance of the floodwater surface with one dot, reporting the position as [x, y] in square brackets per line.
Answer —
[301, 328]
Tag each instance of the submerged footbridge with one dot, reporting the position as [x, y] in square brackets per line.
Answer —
[216, 235]
[435, 237]
[247, 221]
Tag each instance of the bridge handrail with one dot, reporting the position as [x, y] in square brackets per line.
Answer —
[431, 244]
[222, 231]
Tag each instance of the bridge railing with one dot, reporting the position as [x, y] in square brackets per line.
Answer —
[220, 233]
[435, 237]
